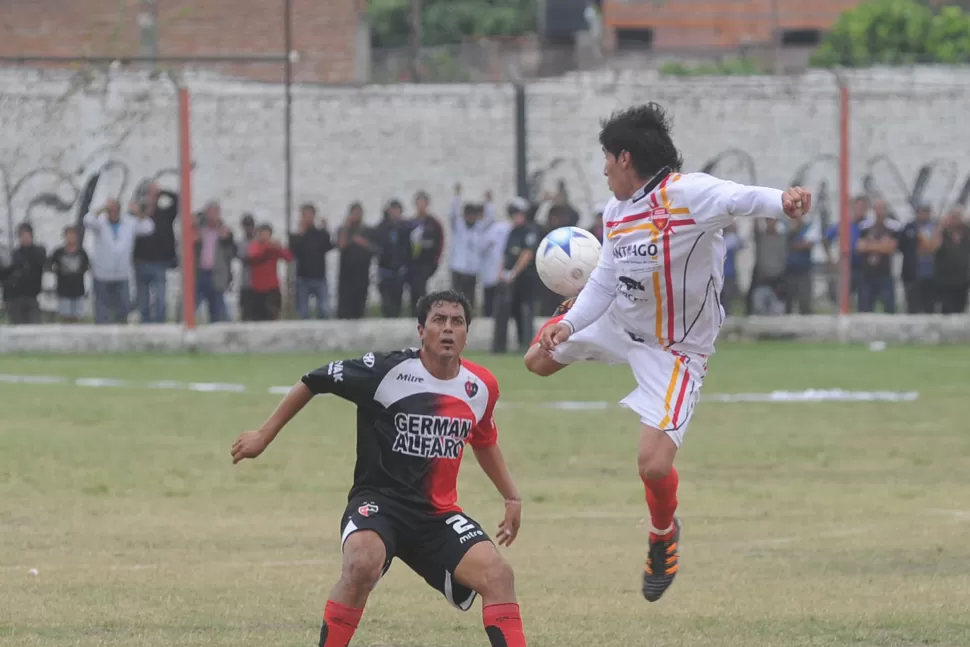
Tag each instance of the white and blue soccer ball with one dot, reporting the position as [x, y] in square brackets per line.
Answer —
[565, 258]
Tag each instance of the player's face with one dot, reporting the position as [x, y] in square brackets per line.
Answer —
[614, 171]
[445, 330]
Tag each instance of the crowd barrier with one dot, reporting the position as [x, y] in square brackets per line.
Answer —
[366, 334]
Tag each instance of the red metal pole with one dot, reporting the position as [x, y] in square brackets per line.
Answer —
[185, 213]
[845, 236]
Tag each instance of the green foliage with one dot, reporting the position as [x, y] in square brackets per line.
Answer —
[727, 67]
[896, 32]
[450, 21]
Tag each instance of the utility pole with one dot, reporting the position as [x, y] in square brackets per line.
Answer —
[148, 28]
[776, 64]
[414, 40]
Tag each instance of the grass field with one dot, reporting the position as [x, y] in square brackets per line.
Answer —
[804, 523]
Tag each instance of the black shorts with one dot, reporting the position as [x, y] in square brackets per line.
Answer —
[431, 545]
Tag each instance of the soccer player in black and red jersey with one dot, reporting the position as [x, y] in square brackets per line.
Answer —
[416, 410]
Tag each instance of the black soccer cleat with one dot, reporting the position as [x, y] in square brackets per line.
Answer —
[661, 567]
[564, 307]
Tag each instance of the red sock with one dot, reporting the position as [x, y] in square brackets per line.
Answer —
[662, 501]
[339, 624]
[503, 625]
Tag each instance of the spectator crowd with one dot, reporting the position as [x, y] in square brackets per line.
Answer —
[489, 253]
[928, 257]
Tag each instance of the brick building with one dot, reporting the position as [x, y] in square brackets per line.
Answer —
[331, 36]
[717, 24]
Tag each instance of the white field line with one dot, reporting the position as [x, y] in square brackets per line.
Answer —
[960, 515]
[809, 395]
[752, 543]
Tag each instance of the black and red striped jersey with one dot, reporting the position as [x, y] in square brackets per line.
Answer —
[412, 428]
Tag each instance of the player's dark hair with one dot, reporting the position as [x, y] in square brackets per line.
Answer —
[643, 132]
[443, 296]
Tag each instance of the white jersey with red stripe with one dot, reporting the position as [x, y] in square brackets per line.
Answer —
[661, 268]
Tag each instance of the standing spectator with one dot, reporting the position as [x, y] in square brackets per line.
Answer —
[23, 277]
[427, 244]
[393, 241]
[495, 235]
[356, 252]
[70, 263]
[517, 288]
[264, 255]
[800, 278]
[310, 247]
[246, 301]
[860, 211]
[733, 243]
[114, 244]
[215, 248]
[466, 234]
[877, 245]
[766, 294]
[918, 242]
[155, 253]
[953, 263]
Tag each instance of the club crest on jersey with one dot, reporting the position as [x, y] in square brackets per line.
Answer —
[660, 217]
[471, 388]
[367, 509]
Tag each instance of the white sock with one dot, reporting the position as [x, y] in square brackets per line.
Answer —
[663, 532]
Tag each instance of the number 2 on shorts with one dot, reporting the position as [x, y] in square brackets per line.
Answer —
[459, 524]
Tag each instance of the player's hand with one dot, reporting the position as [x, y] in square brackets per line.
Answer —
[508, 530]
[552, 336]
[249, 445]
[796, 202]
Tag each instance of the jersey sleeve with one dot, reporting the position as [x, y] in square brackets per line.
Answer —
[714, 203]
[355, 380]
[485, 433]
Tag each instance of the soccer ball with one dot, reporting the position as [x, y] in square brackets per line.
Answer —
[565, 258]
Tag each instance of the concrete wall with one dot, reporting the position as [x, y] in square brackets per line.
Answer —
[378, 142]
[292, 337]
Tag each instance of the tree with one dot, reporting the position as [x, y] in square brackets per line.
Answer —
[895, 32]
[445, 22]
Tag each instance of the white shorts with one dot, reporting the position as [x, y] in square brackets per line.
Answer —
[668, 382]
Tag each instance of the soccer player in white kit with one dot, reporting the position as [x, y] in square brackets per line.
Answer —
[653, 300]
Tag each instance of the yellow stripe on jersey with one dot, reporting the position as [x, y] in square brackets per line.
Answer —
[670, 394]
[658, 297]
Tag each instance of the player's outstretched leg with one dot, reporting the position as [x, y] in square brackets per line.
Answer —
[538, 361]
[363, 564]
[656, 462]
[483, 570]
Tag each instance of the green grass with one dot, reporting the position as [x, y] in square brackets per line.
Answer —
[804, 524]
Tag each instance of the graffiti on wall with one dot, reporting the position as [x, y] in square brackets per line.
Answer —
[50, 194]
[939, 182]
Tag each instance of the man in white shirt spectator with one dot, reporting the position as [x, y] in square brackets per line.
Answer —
[111, 260]
[495, 234]
[465, 262]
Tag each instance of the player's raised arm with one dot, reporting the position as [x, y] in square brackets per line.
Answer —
[724, 200]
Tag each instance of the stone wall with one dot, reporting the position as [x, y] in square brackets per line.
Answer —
[909, 139]
[332, 336]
